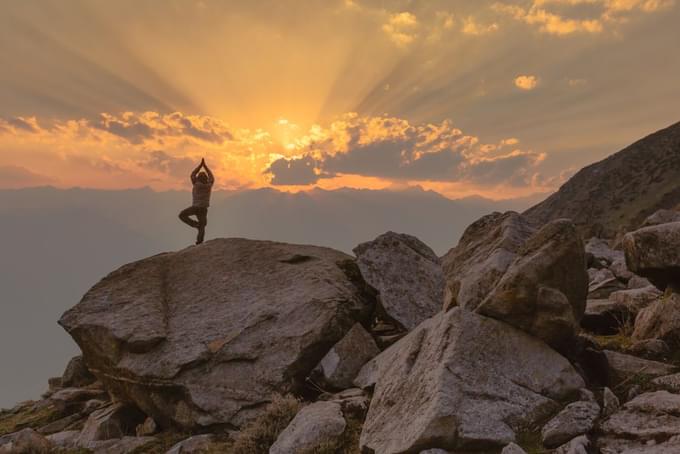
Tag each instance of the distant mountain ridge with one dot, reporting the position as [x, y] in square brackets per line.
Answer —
[619, 192]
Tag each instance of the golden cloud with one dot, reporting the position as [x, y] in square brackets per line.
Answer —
[526, 83]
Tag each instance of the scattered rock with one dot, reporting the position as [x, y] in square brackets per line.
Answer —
[638, 282]
[624, 366]
[605, 316]
[578, 445]
[660, 320]
[605, 288]
[620, 269]
[124, 445]
[407, 274]
[483, 254]
[512, 448]
[543, 291]
[354, 402]
[148, 427]
[653, 252]
[464, 380]
[343, 362]
[62, 424]
[313, 425]
[661, 217]
[650, 348]
[115, 421]
[64, 440]
[648, 419]
[668, 382]
[76, 374]
[600, 250]
[274, 311]
[610, 402]
[25, 441]
[193, 445]
[636, 299]
[575, 419]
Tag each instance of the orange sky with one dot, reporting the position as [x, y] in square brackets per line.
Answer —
[496, 98]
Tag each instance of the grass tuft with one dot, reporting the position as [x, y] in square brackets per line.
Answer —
[347, 443]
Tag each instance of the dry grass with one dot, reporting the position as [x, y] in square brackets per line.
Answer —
[347, 443]
[27, 416]
[258, 436]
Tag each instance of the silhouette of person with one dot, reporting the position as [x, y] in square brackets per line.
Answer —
[202, 186]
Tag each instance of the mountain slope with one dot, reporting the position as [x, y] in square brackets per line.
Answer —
[620, 191]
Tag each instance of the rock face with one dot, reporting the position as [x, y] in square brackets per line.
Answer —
[534, 280]
[115, 421]
[660, 320]
[407, 275]
[654, 252]
[313, 425]
[205, 335]
[76, 374]
[662, 217]
[343, 362]
[623, 367]
[461, 381]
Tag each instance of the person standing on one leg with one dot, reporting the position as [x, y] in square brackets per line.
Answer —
[202, 186]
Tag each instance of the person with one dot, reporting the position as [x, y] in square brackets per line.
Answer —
[202, 186]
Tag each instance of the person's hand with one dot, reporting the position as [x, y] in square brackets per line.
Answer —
[203, 161]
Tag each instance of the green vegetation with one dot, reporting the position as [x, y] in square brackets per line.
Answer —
[163, 442]
[28, 415]
[530, 441]
[258, 436]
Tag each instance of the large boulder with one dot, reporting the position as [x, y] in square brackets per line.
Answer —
[462, 381]
[114, 421]
[407, 274]
[534, 280]
[661, 217]
[206, 335]
[76, 373]
[624, 367]
[577, 418]
[654, 252]
[660, 320]
[600, 250]
[543, 291]
[483, 254]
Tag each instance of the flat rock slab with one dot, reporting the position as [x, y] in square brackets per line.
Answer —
[624, 366]
[407, 275]
[206, 335]
[462, 381]
[577, 418]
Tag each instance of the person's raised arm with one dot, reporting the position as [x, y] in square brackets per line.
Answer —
[194, 173]
[211, 177]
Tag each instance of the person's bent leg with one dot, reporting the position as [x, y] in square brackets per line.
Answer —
[184, 217]
[202, 216]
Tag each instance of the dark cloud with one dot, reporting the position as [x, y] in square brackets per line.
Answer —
[161, 161]
[18, 123]
[133, 131]
[294, 171]
[20, 177]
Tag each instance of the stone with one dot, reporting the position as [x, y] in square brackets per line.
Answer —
[193, 445]
[577, 418]
[343, 362]
[654, 252]
[485, 251]
[668, 382]
[25, 441]
[600, 250]
[206, 335]
[354, 401]
[62, 424]
[434, 451]
[660, 320]
[462, 381]
[543, 291]
[76, 374]
[114, 421]
[310, 428]
[512, 448]
[620, 269]
[124, 445]
[605, 288]
[650, 348]
[638, 282]
[407, 275]
[597, 276]
[578, 445]
[641, 423]
[661, 217]
[623, 367]
[636, 299]
[148, 427]
[605, 316]
[64, 440]
[610, 402]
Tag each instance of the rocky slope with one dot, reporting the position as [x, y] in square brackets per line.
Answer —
[619, 192]
[520, 340]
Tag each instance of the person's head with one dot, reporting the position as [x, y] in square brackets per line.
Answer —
[202, 177]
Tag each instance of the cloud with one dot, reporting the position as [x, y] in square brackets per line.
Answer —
[402, 28]
[568, 17]
[474, 28]
[163, 162]
[19, 124]
[394, 149]
[526, 83]
[12, 177]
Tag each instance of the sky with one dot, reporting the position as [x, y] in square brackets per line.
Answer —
[500, 98]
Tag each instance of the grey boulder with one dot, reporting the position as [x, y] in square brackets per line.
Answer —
[577, 418]
[462, 381]
[407, 275]
[654, 252]
[114, 421]
[207, 334]
[660, 320]
[314, 425]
